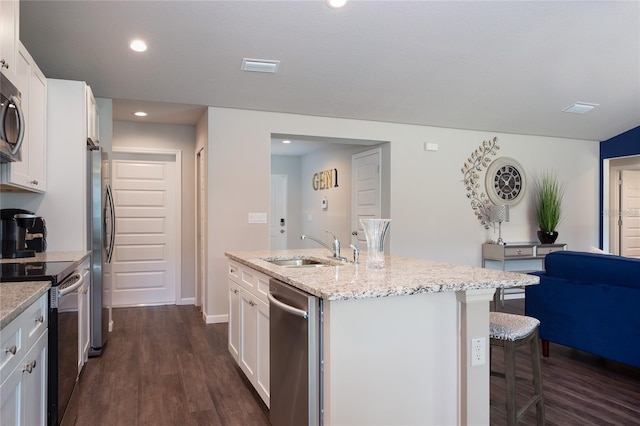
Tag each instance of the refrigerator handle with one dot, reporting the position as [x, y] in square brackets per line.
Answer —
[112, 215]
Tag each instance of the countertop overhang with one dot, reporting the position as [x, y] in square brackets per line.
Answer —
[401, 276]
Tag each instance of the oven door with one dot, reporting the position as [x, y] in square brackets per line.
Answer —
[64, 359]
[12, 124]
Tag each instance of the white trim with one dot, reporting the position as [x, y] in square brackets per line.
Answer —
[186, 301]
[177, 154]
[215, 319]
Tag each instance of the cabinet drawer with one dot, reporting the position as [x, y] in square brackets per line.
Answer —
[543, 251]
[234, 272]
[518, 251]
[36, 321]
[11, 347]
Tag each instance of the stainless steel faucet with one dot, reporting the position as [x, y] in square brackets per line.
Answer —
[335, 250]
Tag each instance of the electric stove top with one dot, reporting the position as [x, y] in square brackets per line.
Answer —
[36, 271]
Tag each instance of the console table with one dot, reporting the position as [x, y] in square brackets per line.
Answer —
[516, 257]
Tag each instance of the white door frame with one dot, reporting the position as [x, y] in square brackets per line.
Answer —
[201, 230]
[177, 155]
[279, 205]
[355, 224]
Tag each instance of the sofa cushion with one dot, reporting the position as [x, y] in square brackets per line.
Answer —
[592, 267]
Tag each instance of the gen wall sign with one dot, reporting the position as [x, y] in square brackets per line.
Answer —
[325, 179]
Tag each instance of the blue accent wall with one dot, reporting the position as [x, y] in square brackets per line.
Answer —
[623, 145]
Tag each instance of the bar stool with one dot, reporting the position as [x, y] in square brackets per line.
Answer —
[510, 331]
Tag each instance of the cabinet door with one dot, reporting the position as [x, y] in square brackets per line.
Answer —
[10, 399]
[23, 395]
[262, 352]
[9, 34]
[248, 353]
[234, 319]
[30, 173]
[35, 383]
[92, 117]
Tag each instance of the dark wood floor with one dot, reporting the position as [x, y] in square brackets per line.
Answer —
[163, 366]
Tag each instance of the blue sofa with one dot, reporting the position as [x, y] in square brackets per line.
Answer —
[589, 302]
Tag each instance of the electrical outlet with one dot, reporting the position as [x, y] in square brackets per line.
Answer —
[478, 351]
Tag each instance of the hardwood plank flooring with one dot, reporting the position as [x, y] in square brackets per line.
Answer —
[164, 366]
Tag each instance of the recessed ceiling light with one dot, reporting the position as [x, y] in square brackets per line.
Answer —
[138, 45]
[580, 108]
[259, 65]
[286, 141]
[140, 114]
[336, 3]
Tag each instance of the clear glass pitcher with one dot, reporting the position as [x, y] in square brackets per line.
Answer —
[375, 230]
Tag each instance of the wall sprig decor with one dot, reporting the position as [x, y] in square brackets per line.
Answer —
[471, 169]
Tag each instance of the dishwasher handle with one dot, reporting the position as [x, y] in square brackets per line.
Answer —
[288, 308]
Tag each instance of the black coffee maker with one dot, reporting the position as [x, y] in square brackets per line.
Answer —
[13, 230]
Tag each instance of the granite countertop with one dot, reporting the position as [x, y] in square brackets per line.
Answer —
[52, 256]
[16, 297]
[401, 276]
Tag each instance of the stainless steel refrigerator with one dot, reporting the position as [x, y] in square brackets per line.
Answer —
[100, 235]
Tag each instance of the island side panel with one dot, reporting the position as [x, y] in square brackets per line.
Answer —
[474, 403]
[391, 360]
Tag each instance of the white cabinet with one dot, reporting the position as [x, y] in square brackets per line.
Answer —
[9, 35]
[84, 317]
[249, 325]
[92, 117]
[23, 367]
[30, 173]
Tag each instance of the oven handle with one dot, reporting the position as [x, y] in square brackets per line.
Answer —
[73, 287]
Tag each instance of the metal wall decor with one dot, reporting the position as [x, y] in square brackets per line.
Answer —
[325, 179]
[476, 163]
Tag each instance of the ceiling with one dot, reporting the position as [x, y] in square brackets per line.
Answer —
[501, 66]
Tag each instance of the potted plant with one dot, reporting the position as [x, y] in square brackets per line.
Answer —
[549, 193]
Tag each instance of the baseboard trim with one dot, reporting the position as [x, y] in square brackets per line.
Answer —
[215, 319]
[186, 301]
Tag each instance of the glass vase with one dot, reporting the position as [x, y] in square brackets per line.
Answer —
[375, 230]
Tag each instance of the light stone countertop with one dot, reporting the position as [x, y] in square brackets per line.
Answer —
[401, 276]
[16, 297]
[52, 256]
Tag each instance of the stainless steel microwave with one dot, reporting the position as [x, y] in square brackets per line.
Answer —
[12, 123]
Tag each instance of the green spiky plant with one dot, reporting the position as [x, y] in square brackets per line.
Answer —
[549, 194]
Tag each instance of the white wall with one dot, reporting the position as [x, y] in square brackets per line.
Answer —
[176, 137]
[431, 215]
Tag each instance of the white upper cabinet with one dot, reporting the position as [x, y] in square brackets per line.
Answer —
[30, 173]
[9, 35]
[92, 118]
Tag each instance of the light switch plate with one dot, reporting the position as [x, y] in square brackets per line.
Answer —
[257, 218]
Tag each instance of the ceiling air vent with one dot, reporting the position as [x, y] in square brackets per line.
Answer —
[259, 65]
[580, 108]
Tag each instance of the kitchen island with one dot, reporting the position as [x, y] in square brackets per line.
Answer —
[397, 340]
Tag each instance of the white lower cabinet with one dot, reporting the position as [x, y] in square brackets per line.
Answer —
[249, 325]
[23, 391]
[84, 317]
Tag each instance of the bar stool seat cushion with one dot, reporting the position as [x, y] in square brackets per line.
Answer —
[504, 326]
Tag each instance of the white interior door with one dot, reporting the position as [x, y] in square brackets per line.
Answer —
[145, 254]
[630, 213]
[278, 217]
[367, 199]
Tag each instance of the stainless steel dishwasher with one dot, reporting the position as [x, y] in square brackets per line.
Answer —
[295, 348]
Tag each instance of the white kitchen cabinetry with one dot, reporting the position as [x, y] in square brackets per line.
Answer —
[30, 173]
[84, 317]
[9, 35]
[249, 325]
[67, 160]
[92, 117]
[23, 367]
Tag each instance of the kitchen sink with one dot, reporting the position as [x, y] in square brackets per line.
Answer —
[297, 262]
